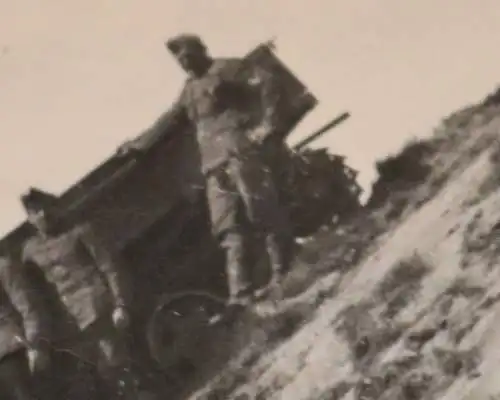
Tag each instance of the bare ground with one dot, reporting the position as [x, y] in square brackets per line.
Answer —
[393, 310]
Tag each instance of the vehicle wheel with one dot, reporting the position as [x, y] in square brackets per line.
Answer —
[179, 336]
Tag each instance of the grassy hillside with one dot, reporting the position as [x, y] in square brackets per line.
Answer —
[402, 303]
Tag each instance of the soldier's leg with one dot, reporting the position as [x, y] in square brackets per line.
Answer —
[239, 283]
[82, 359]
[114, 361]
[15, 379]
[223, 202]
[256, 187]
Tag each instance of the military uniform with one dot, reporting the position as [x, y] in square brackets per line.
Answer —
[226, 105]
[89, 286]
[22, 324]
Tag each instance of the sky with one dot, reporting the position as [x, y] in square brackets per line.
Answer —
[77, 78]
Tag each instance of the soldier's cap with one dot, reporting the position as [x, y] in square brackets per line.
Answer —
[35, 199]
[185, 41]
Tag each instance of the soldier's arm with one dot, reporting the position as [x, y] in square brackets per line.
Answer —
[106, 261]
[167, 124]
[27, 301]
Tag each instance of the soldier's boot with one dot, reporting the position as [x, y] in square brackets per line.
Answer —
[280, 252]
[20, 393]
[85, 384]
[122, 383]
[240, 288]
[16, 379]
[21, 390]
[237, 274]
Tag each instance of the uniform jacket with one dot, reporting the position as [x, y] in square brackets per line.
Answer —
[23, 319]
[84, 274]
[223, 105]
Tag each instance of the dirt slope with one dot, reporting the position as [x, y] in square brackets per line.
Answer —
[391, 309]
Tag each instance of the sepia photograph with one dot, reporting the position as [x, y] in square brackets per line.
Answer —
[228, 200]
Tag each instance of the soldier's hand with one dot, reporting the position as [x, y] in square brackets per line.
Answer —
[38, 360]
[261, 133]
[121, 318]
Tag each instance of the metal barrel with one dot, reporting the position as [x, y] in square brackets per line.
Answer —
[320, 132]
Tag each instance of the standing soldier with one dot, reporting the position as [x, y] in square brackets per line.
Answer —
[91, 289]
[232, 114]
[23, 332]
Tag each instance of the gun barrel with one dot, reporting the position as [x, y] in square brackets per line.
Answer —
[330, 125]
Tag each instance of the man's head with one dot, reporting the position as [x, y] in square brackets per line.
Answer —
[190, 52]
[40, 208]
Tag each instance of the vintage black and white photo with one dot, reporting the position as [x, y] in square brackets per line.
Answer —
[249, 200]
